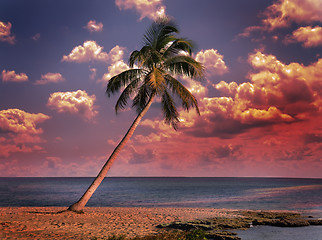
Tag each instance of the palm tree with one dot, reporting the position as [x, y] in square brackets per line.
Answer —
[152, 76]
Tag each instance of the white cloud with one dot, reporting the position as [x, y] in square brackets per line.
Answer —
[77, 102]
[213, 61]
[116, 54]
[146, 8]
[195, 87]
[89, 51]
[117, 64]
[113, 70]
[5, 33]
[12, 76]
[92, 26]
[50, 78]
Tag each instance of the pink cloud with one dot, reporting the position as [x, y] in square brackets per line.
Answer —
[50, 78]
[36, 37]
[247, 31]
[92, 26]
[146, 8]
[19, 121]
[310, 37]
[272, 114]
[269, 126]
[293, 88]
[228, 89]
[293, 82]
[12, 76]
[278, 93]
[225, 117]
[141, 157]
[283, 13]
[20, 130]
[5, 33]
[50, 166]
[6, 149]
[268, 150]
[224, 151]
[92, 76]
[77, 102]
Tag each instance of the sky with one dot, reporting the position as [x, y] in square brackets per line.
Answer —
[260, 102]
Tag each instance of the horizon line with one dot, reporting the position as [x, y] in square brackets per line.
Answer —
[163, 177]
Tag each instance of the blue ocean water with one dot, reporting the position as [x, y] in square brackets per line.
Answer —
[236, 193]
[278, 233]
[303, 195]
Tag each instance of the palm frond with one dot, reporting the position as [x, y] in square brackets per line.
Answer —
[142, 97]
[170, 112]
[161, 29]
[122, 79]
[126, 94]
[161, 57]
[135, 55]
[186, 97]
[155, 80]
[147, 57]
[185, 66]
[178, 46]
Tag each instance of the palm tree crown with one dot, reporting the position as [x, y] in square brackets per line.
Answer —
[153, 71]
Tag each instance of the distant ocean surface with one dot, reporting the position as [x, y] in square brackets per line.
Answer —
[235, 193]
[304, 195]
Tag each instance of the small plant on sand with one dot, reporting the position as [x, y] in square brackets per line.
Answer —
[197, 234]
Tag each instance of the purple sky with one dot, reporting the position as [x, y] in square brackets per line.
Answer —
[261, 102]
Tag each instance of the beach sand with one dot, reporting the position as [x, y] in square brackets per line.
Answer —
[96, 222]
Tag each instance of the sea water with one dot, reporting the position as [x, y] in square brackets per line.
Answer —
[304, 195]
[279, 233]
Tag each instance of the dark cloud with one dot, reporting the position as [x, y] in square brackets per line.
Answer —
[140, 158]
[312, 138]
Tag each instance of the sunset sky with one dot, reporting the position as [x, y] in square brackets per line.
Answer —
[261, 101]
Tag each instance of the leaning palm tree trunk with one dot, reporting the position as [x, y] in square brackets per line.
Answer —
[159, 59]
[80, 204]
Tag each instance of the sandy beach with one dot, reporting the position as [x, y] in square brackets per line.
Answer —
[96, 222]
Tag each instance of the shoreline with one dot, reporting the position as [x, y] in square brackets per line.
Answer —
[96, 222]
[100, 222]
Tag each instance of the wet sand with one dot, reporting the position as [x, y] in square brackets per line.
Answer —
[96, 222]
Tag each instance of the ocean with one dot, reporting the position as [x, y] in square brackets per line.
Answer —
[304, 195]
